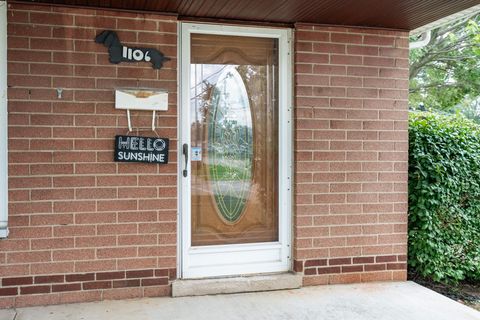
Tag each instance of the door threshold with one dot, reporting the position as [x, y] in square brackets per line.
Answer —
[239, 284]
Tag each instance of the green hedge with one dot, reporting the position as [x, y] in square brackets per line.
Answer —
[444, 197]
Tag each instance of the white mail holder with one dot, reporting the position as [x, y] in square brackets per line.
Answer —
[141, 99]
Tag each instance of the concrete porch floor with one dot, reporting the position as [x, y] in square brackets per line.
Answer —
[400, 300]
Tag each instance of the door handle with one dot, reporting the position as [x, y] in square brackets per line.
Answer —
[185, 154]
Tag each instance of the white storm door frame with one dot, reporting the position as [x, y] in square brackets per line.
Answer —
[237, 259]
[3, 123]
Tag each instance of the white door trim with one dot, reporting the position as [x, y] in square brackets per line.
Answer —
[223, 260]
[3, 123]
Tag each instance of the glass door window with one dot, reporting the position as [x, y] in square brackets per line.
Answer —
[234, 132]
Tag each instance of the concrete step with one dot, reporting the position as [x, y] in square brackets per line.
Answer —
[268, 282]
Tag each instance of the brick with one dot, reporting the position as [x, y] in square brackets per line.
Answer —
[344, 278]
[345, 208]
[137, 193]
[399, 275]
[28, 256]
[14, 270]
[95, 265]
[149, 239]
[14, 245]
[133, 263]
[377, 250]
[73, 254]
[74, 58]
[346, 269]
[339, 261]
[51, 169]
[378, 40]
[345, 124]
[119, 252]
[52, 267]
[66, 287]
[329, 270]
[375, 267]
[97, 285]
[345, 59]
[345, 252]
[52, 194]
[311, 58]
[51, 145]
[96, 193]
[310, 271]
[156, 251]
[386, 258]
[298, 266]
[346, 38]
[74, 230]
[379, 61]
[79, 277]
[325, 47]
[154, 282]
[117, 229]
[362, 260]
[35, 289]
[91, 21]
[29, 232]
[139, 274]
[51, 69]
[62, 182]
[312, 36]
[16, 281]
[315, 280]
[363, 71]
[50, 18]
[49, 279]
[8, 291]
[36, 300]
[116, 180]
[397, 266]
[361, 240]
[116, 205]
[74, 206]
[110, 275]
[363, 50]
[18, 42]
[95, 242]
[126, 283]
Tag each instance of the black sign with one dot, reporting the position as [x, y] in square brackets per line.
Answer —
[141, 149]
[119, 52]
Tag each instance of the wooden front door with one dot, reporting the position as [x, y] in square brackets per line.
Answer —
[232, 178]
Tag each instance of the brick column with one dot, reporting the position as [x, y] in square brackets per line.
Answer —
[351, 154]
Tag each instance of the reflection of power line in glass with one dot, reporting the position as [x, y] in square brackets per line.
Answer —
[204, 81]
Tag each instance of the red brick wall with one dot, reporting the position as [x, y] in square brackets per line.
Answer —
[80, 224]
[351, 154]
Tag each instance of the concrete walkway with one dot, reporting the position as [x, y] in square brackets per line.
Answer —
[396, 301]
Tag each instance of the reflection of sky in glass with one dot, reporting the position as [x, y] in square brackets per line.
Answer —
[205, 75]
[233, 105]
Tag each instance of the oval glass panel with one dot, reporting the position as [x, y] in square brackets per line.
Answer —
[230, 145]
